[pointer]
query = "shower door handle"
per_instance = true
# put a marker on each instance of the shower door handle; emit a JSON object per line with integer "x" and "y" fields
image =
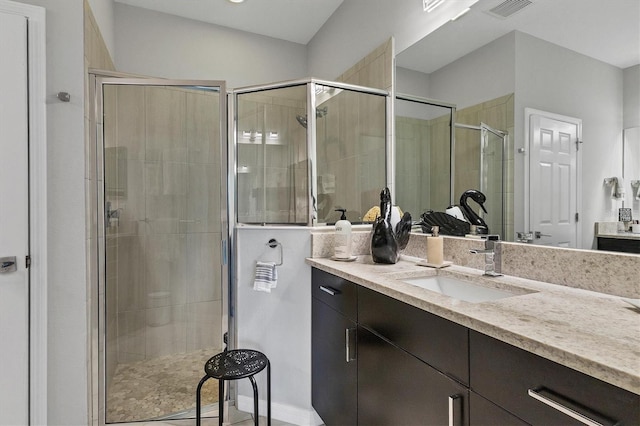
{"x": 8, "y": 264}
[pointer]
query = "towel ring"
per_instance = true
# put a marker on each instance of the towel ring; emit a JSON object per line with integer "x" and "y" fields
{"x": 273, "y": 243}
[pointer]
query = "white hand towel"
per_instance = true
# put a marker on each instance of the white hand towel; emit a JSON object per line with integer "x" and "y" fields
{"x": 266, "y": 276}
{"x": 618, "y": 190}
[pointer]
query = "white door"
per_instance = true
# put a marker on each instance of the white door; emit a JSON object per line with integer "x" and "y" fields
{"x": 553, "y": 179}
{"x": 14, "y": 232}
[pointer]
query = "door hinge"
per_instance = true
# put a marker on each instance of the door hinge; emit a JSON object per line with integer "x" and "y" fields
{"x": 578, "y": 142}
{"x": 27, "y": 262}
{"x": 577, "y": 216}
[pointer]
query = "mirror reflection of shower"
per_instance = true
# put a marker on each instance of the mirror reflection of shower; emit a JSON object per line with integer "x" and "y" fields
{"x": 320, "y": 112}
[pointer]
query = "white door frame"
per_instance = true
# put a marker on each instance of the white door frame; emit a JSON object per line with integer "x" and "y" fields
{"x": 37, "y": 206}
{"x": 528, "y": 112}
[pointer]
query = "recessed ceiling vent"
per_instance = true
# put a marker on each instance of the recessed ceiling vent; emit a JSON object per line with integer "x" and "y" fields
{"x": 508, "y": 8}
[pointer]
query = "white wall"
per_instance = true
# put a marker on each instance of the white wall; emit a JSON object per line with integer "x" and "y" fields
{"x": 103, "y": 12}
{"x": 631, "y": 97}
{"x": 67, "y": 329}
{"x": 558, "y": 80}
{"x": 161, "y": 45}
{"x": 277, "y": 323}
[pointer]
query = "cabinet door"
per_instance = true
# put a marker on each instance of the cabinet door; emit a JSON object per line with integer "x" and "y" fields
{"x": 542, "y": 392}
{"x": 437, "y": 341}
{"x": 485, "y": 413}
{"x": 334, "y": 368}
{"x": 395, "y": 388}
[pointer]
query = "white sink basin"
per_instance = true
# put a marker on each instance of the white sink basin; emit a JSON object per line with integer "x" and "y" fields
{"x": 458, "y": 289}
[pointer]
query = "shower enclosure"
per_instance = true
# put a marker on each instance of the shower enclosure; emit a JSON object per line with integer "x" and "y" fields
{"x": 437, "y": 160}
{"x": 307, "y": 147}
{"x": 161, "y": 307}
{"x": 423, "y": 154}
{"x": 479, "y": 164}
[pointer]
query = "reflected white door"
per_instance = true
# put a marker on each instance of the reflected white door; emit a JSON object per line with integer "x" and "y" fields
{"x": 14, "y": 232}
{"x": 553, "y": 179}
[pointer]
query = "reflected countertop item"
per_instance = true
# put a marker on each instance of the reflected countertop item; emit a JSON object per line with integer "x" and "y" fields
{"x": 594, "y": 333}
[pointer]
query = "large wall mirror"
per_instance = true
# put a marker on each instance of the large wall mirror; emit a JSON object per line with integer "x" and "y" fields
{"x": 527, "y": 69}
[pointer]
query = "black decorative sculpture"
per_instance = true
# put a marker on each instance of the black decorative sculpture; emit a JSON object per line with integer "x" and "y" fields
{"x": 472, "y": 217}
{"x": 385, "y": 243}
{"x": 449, "y": 225}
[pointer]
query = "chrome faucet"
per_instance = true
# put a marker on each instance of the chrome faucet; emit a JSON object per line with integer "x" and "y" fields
{"x": 489, "y": 256}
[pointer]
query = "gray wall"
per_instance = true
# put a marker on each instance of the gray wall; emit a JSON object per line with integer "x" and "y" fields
{"x": 486, "y": 73}
{"x": 558, "y": 80}
{"x": 67, "y": 387}
{"x": 551, "y": 78}
{"x": 156, "y": 44}
{"x": 366, "y": 24}
{"x": 631, "y": 97}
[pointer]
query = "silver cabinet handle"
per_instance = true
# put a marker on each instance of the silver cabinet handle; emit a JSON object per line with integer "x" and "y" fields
{"x": 329, "y": 290}
{"x": 454, "y": 405}
{"x": 350, "y": 354}
{"x": 559, "y": 403}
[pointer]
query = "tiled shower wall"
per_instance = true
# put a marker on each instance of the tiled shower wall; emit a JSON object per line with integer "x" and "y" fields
{"x": 422, "y": 164}
{"x": 272, "y": 176}
{"x": 497, "y": 113}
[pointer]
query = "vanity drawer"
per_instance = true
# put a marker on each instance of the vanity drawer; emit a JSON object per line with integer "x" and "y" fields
{"x": 439, "y": 342}
{"x": 513, "y": 379}
{"x": 340, "y": 294}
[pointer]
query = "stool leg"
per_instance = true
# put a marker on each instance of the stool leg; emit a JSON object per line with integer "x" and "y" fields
{"x": 220, "y": 401}
{"x": 198, "y": 403}
{"x": 268, "y": 393}
{"x": 255, "y": 400}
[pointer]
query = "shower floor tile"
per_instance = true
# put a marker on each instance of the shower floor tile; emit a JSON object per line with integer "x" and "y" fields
{"x": 159, "y": 387}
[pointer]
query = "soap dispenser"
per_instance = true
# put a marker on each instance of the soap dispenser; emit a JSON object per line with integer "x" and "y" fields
{"x": 435, "y": 249}
{"x": 342, "y": 244}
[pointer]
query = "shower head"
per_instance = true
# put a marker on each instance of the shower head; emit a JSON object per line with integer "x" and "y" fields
{"x": 320, "y": 112}
{"x": 302, "y": 119}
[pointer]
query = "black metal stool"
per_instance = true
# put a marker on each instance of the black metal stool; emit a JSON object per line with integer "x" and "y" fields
{"x": 233, "y": 365}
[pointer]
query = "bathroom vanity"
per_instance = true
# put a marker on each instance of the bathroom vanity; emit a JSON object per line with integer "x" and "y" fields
{"x": 388, "y": 352}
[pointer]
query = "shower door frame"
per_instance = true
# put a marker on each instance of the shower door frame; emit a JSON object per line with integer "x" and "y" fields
{"x": 97, "y": 318}
{"x": 483, "y": 129}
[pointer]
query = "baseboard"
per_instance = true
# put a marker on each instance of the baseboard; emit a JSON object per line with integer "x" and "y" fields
{"x": 283, "y": 412}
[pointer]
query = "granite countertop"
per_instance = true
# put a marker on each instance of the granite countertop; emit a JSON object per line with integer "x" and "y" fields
{"x": 620, "y": 234}
{"x": 595, "y": 333}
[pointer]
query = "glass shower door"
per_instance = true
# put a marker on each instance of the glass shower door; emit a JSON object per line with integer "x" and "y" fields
{"x": 162, "y": 295}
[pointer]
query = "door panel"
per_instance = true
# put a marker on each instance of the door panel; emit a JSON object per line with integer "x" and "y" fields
{"x": 164, "y": 150}
{"x": 14, "y": 232}
{"x": 553, "y": 189}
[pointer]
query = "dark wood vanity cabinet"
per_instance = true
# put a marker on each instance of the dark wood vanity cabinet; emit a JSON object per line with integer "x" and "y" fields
{"x": 540, "y": 391}
{"x": 379, "y": 361}
{"x": 383, "y": 374}
{"x": 334, "y": 371}
{"x": 396, "y": 388}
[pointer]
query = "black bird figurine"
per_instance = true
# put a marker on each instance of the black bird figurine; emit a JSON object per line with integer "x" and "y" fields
{"x": 472, "y": 217}
{"x": 385, "y": 243}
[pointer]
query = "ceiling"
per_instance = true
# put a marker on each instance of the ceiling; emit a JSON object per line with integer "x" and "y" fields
{"x": 606, "y": 30}
{"x": 292, "y": 20}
